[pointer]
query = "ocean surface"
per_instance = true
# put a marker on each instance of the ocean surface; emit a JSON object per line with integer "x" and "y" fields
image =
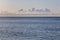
{"x": 29, "y": 28}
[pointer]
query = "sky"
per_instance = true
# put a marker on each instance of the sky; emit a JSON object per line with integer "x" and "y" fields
{"x": 15, "y": 5}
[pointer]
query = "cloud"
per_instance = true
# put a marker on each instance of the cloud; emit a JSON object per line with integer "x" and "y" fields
{"x": 41, "y": 10}
{"x": 47, "y": 10}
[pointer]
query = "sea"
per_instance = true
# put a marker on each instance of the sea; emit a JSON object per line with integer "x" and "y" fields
{"x": 29, "y": 28}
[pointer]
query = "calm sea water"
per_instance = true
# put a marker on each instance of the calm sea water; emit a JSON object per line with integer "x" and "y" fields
{"x": 29, "y": 28}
